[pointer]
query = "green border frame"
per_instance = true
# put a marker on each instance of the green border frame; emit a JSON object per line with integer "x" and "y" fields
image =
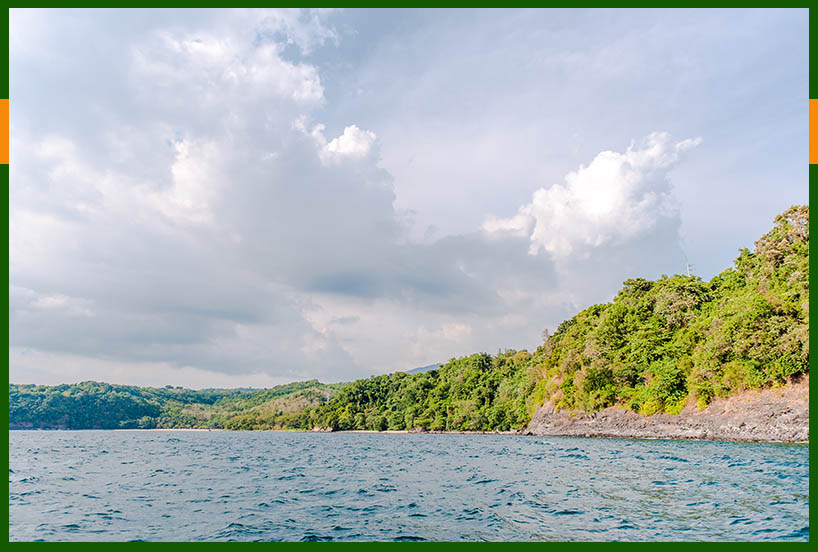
{"x": 4, "y": 175}
{"x": 813, "y": 192}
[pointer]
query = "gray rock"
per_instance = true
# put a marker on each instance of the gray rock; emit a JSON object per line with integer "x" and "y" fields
{"x": 770, "y": 415}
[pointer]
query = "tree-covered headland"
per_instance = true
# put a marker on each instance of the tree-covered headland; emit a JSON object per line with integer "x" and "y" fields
{"x": 657, "y": 346}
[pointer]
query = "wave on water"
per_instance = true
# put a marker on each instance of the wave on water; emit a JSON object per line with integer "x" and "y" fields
{"x": 226, "y": 486}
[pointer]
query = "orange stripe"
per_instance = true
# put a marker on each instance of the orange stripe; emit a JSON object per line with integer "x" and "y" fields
{"x": 813, "y": 132}
{"x": 4, "y": 128}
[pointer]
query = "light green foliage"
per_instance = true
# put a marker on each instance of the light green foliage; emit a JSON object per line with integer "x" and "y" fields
{"x": 659, "y": 342}
{"x": 656, "y": 345}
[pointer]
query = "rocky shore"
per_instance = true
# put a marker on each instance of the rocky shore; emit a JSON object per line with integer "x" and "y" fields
{"x": 779, "y": 415}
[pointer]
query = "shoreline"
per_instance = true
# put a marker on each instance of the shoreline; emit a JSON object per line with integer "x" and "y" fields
{"x": 586, "y": 433}
{"x": 364, "y": 431}
{"x": 776, "y": 415}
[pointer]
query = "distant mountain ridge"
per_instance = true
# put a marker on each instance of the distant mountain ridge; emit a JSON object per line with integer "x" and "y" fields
{"x": 423, "y": 369}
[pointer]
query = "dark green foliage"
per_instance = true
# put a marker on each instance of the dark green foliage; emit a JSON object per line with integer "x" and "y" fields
{"x": 473, "y": 393}
{"x": 652, "y": 349}
{"x": 93, "y": 405}
{"x": 97, "y": 405}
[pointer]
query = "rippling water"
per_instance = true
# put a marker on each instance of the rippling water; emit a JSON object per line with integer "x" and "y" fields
{"x": 183, "y": 485}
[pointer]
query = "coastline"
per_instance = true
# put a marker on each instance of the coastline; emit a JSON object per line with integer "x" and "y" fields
{"x": 777, "y": 415}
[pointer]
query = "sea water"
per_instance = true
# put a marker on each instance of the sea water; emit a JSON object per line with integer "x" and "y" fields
{"x": 245, "y": 486}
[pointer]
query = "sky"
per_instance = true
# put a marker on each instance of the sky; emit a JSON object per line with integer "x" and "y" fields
{"x": 252, "y": 197}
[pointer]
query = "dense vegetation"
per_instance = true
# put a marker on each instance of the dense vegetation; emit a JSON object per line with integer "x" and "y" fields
{"x": 478, "y": 392}
{"x": 655, "y": 347}
{"x": 101, "y": 405}
{"x": 659, "y": 343}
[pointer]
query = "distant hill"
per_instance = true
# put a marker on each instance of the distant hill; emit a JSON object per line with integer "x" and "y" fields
{"x": 422, "y": 369}
{"x": 97, "y": 405}
{"x": 656, "y": 347}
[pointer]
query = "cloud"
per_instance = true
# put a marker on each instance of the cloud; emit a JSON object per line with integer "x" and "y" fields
{"x": 307, "y": 29}
{"x": 194, "y": 183}
{"x": 194, "y": 248}
{"x": 450, "y": 332}
{"x": 354, "y": 143}
{"x": 127, "y": 245}
{"x": 33, "y": 366}
{"x": 209, "y": 69}
{"x": 230, "y": 78}
{"x": 344, "y": 320}
{"x": 618, "y": 196}
{"x": 190, "y": 225}
{"x": 27, "y": 299}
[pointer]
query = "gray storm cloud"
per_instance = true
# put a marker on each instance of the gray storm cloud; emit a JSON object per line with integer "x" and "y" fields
{"x": 212, "y": 257}
{"x": 201, "y": 206}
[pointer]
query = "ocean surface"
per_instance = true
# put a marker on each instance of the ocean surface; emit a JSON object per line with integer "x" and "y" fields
{"x": 246, "y": 486}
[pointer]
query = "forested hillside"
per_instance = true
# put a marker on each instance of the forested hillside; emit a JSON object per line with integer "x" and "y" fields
{"x": 473, "y": 393}
{"x": 656, "y": 346}
{"x": 660, "y": 342}
{"x": 100, "y": 405}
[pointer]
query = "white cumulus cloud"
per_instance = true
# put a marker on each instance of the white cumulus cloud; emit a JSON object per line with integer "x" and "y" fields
{"x": 354, "y": 143}
{"x": 618, "y": 196}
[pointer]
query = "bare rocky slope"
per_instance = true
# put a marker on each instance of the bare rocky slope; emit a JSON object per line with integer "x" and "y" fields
{"x": 772, "y": 415}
